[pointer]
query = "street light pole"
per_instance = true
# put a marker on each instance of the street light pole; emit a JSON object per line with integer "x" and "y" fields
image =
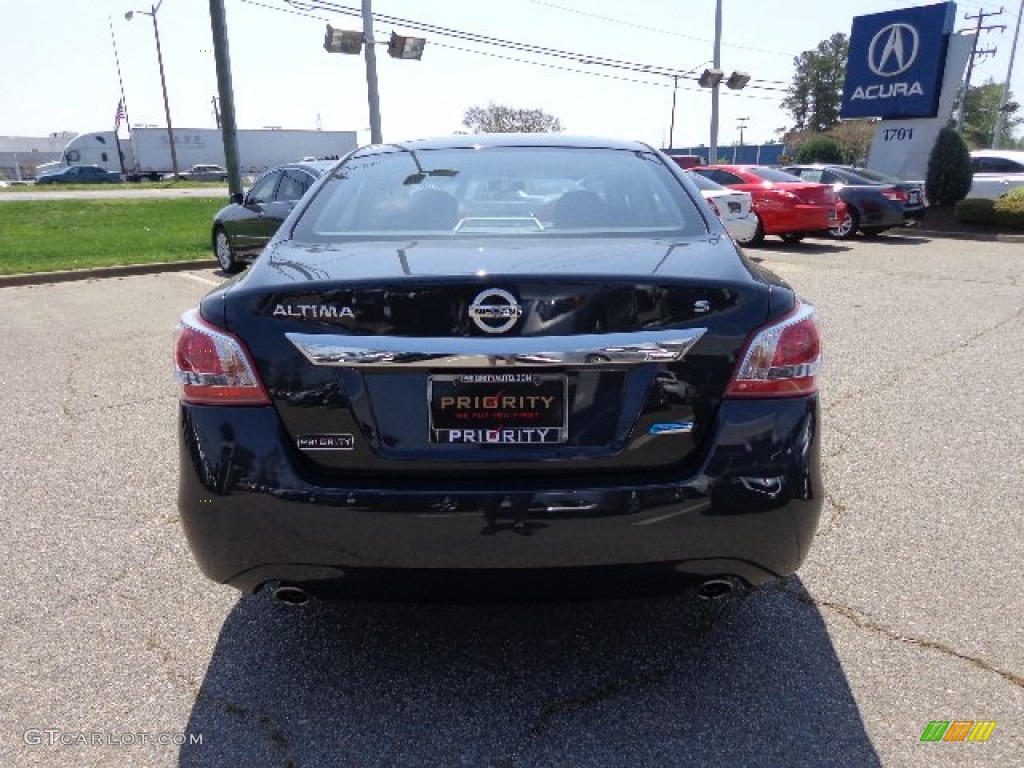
{"x": 717, "y": 59}
{"x": 163, "y": 82}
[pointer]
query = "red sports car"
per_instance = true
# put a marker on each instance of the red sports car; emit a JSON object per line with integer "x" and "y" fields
{"x": 785, "y": 205}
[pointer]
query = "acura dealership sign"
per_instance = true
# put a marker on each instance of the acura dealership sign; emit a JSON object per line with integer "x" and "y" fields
{"x": 896, "y": 62}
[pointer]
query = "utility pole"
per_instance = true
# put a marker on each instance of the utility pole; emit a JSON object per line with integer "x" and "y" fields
{"x": 672, "y": 122}
{"x": 981, "y": 27}
{"x": 1001, "y": 114}
{"x": 743, "y": 124}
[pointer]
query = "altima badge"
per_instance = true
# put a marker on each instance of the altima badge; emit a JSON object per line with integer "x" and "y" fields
{"x": 495, "y": 310}
{"x": 312, "y": 311}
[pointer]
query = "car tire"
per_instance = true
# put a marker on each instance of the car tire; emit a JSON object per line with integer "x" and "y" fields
{"x": 873, "y": 231}
{"x": 792, "y": 237}
{"x": 757, "y": 238}
{"x": 846, "y": 228}
{"x": 224, "y": 253}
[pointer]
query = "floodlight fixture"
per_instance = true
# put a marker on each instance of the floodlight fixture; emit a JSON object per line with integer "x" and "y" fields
{"x": 737, "y": 80}
{"x": 710, "y": 78}
{"x": 343, "y": 41}
{"x": 402, "y": 47}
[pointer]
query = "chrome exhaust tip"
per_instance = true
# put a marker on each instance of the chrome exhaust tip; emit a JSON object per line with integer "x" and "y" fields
{"x": 289, "y": 594}
{"x": 717, "y": 588}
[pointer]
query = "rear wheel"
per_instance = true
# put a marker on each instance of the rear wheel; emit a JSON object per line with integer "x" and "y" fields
{"x": 792, "y": 237}
{"x": 222, "y": 250}
{"x": 847, "y": 227}
{"x": 757, "y": 238}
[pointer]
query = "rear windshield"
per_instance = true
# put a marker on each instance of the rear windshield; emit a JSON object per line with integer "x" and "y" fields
{"x": 873, "y": 176}
{"x": 703, "y": 183}
{"x": 772, "y": 174}
{"x": 500, "y": 191}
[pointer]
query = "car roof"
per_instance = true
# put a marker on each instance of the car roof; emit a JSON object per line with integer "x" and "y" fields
{"x": 727, "y": 166}
{"x": 318, "y": 167}
{"x": 817, "y": 165}
{"x": 476, "y": 140}
{"x": 1007, "y": 154}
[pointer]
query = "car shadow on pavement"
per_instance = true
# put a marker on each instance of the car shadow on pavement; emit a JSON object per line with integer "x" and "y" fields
{"x": 810, "y": 247}
{"x": 611, "y": 683}
{"x": 899, "y": 238}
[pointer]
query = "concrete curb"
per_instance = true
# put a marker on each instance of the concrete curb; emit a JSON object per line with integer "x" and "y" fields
{"x": 127, "y": 270}
{"x": 996, "y": 237}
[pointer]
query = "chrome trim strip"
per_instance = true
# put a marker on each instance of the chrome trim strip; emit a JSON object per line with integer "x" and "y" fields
{"x": 597, "y": 350}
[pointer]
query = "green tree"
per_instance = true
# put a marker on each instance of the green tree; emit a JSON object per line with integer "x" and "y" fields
{"x": 949, "y": 169}
{"x": 980, "y": 112}
{"x": 816, "y": 93}
{"x": 496, "y": 118}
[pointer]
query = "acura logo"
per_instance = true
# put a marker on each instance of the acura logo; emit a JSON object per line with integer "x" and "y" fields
{"x": 495, "y": 310}
{"x": 893, "y": 50}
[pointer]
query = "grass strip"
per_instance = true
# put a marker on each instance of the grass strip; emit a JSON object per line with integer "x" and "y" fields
{"x": 48, "y": 235}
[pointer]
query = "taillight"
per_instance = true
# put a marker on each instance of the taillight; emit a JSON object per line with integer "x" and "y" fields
{"x": 894, "y": 193}
{"x": 781, "y": 360}
{"x": 213, "y": 366}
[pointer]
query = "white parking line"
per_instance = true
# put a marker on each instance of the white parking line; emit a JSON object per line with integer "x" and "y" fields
{"x": 197, "y": 278}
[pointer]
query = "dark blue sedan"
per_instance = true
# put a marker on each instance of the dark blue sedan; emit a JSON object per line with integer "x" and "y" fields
{"x": 874, "y": 201}
{"x": 79, "y": 174}
{"x": 499, "y": 358}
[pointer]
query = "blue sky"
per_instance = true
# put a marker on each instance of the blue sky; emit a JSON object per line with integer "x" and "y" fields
{"x": 59, "y": 67}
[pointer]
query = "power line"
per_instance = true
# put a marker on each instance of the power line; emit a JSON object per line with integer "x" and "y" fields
{"x": 589, "y": 73}
{"x": 656, "y": 30}
{"x": 518, "y": 60}
{"x": 473, "y": 37}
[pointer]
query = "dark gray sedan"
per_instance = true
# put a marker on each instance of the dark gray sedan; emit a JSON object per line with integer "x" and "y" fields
{"x": 480, "y": 362}
{"x": 874, "y": 201}
{"x": 241, "y": 230}
{"x": 79, "y": 174}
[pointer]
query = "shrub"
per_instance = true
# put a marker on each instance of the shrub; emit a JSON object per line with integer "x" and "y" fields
{"x": 949, "y": 169}
{"x": 975, "y": 210}
{"x": 822, "y": 149}
{"x": 1008, "y": 211}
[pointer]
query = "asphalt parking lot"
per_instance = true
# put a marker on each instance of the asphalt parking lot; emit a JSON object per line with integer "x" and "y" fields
{"x": 907, "y": 611}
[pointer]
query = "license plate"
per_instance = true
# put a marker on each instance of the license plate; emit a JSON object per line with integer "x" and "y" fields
{"x": 914, "y": 198}
{"x": 498, "y": 409}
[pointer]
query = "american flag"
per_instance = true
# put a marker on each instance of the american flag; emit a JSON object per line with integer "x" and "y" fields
{"x": 119, "y": 115}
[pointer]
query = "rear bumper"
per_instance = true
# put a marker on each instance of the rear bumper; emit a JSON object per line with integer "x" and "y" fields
{"x": 915, "y": 214}
{"x": 798, "y": 218}
{"x": 253, "y": 513}
{"x": 741, "y": 228}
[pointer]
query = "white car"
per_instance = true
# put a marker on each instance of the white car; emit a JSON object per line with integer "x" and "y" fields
{"x": 996, "y": 172}
{"x": 733, "y": 207}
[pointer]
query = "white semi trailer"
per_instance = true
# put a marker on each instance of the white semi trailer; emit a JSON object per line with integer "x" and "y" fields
{"x": 147, "y": 153}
